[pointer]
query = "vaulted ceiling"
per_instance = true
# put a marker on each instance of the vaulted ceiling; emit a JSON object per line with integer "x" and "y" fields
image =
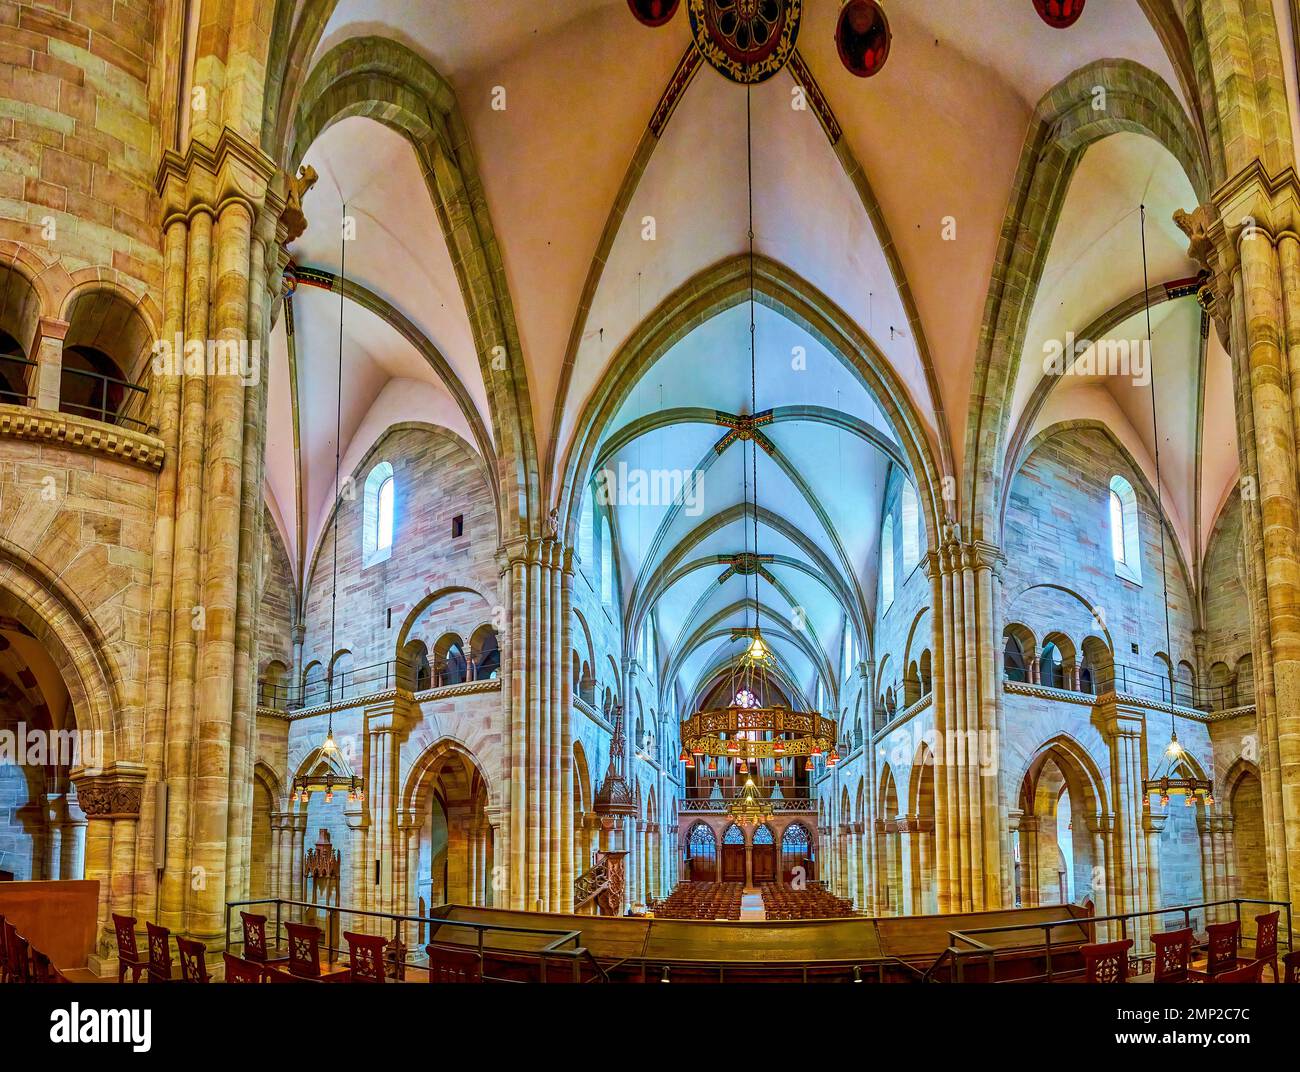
{"x": 896, "y": 226}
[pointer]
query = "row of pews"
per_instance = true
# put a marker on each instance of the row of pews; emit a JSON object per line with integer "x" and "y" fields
{"x": 702, "y": 900}
{"x": 812, "y": 902}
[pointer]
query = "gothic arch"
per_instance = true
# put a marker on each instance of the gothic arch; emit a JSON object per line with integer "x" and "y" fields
{"x": 1065, "y": 125}
{"x": 383, "y": 80}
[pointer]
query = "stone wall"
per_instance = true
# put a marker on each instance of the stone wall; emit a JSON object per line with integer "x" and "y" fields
{"x": 80, "y": 136}
{"x": 1060, "y": 576}
{"x": 436, "y": 478}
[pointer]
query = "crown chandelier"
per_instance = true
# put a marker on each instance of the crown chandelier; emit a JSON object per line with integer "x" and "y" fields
{"x": 749, "y": 809}
{"x": 748, "y": 41}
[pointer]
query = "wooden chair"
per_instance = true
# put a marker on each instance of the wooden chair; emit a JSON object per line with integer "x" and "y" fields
{"x": 128, "y": 954}
{"x": 1266, "y": 941}
{"x": 366, "y": 953}
{"x": 4, "y": 951}
{"x": 194, "y": 961}
{"x": 239, "y": 970}
{"x": 20, "y": 964}
{"x": 453, "y": 964}
{"x": 160, "y": 953}
{"x": 1106, "y": 962}
{"x": 304, "y": 950}
{"x": 1291, "y": 962}
{"x": 1173, "y": 955}
{"x": 43, "y": 969}
{"x": 1247, "y": 973}
{"x": 1221, "y": 949}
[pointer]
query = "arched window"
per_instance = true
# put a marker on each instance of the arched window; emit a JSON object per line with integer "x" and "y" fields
{"x": 1051, "y": 667}
{"x": 1013, "y": 660}
{"x": 796, "y": 849}
{"x": 887, "y": 563}
{"x": 702, "y": 851}
{"x": 1125, "y": 543}
{"x": 486, "y": 653}
{"x": 378, "y": 509}
{"x": 911, "y": 523}
{"x": 587, "y": 535}
{"x": 606, "y": 563}
{"x": 763, "y": 835}
{"x": 733, "y": 835}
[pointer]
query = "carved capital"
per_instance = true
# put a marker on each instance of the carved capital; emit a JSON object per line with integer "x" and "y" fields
{"x": 114, "y": 794}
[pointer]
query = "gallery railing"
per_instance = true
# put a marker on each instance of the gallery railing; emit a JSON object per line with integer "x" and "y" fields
{"x": 354, "y": 683}
{"x": 720, "y": 804}
{"x": 964, "y": 945}
{"x": 19, "y": 367}
{"x": 558, "y": 954}
{"x": 111, "y": 399}
{"x": 1149, "y": 685}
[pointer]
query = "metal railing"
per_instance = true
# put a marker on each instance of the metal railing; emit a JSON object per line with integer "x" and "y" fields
{"x": 720, "y": 804}
{"x": 17, "y": 398}
{"x": 354, "y": 683}
{"x": 133, "y": 397}
{"x": 563, "y": 947}
{"x": 1149, "y": 685}
{"x": 983, "y": 950}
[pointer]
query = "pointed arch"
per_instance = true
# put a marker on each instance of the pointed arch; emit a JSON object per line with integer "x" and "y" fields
{"x": 386, "y": 81}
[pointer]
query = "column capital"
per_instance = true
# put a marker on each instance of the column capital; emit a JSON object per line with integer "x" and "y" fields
{"x": 114, "y": 793}
{"x": 212, "y": 177}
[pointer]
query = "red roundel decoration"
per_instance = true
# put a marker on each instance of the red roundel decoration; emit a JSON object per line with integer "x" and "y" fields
{"x": 1059, "y": 14}
{"x": 653, "y": 12}
{"x": 862, "y": 37}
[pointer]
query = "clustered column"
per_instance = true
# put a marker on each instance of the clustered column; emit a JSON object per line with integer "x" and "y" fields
{"x": 540, "y": 836}
{"x": 971, "y": 860}
{"x": 220, "y": 268}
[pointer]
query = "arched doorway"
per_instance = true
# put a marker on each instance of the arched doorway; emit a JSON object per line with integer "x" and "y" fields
{"x": 1057, "y": 850}
{"x": 1249, "y": 852}
{"x": 797, "y": 854}
{"x": 733, "y": 854}
{"x": 42, "y": 829}
{"x": 701, "y": 853}
{"x": 763, "y": 859}
{"x": 889, "y": 848}
{"x": 452, "y": 841}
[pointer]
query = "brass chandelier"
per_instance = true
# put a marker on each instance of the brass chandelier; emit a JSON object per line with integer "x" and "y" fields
{"x": 749, "y": 809}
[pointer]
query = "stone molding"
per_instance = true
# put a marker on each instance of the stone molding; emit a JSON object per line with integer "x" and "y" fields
{"x": 82, "y": 434}
{"x": 389, "y": 696}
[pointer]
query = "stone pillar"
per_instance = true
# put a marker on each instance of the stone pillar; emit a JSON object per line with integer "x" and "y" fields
{"x": 72, "y": 859}
{"x": 1124, "y": 730}
{"x": 111, "y": 803}
{"x": 1102, "y": 829}
{"x": 44, "y": 379}
{"x": 220, "y": 271}
{"x": 1030, "y": 888}
{"x": 970, "y": 796}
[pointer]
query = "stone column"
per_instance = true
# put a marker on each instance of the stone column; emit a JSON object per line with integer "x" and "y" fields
{"x": 44, "y": 379}
{"x": 111, "y": 803}
{"x": 1124, "y": 730}
{"x": 970, "y": 797}
{"x": 73, "y": 855}
{"x": 1102, "y": 829}
{"x": 219, "y": 276}
{"x": 1030, "y": 888}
